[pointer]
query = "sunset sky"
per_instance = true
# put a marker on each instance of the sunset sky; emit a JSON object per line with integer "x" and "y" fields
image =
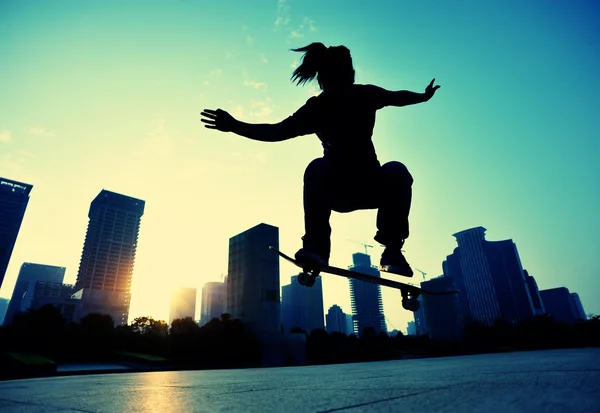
{"x": 107, "y": 94}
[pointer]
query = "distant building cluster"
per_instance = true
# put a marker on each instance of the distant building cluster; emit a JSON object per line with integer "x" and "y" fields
{"x": 489, "y": 275}
{"x": 339, "y": 322}
{"x": 106, "y": 268}
{"x": 493, "y": 286}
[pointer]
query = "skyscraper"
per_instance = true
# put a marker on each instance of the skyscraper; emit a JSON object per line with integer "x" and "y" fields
{"x": 214, "y": 300}
{"x": 14, "y": 197}
{"x": 30, "y": 272}
{"x": 490, "y": 278}
{"x": 337, "y": 320}
{"x": 253, "y": 280}
{"x": 365, "y": 298}
{"x": 512, "y": 290}
{"x": 476, "y": 277}
{"x": 302, "y": 307}
{"x": 183, "y": 304}
{"x": 106, "y": 268}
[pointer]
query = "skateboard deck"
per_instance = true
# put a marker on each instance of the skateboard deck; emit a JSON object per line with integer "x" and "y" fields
{"x": 410, "y": 293}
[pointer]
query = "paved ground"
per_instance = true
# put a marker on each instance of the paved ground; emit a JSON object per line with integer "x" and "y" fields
{"x": 541, "y": 381}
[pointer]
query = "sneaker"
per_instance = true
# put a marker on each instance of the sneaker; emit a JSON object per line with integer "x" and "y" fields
{"x": 311, "y": 259}
{"x": 393, "y": 261}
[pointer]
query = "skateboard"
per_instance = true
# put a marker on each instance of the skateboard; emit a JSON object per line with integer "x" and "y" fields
{"x": 410, "y": 293}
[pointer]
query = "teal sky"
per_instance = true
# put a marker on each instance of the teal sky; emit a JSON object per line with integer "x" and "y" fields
{"x": 106, "y": 95}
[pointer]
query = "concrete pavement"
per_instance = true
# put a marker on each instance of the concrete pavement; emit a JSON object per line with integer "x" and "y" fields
{"x": 537, "y": 381}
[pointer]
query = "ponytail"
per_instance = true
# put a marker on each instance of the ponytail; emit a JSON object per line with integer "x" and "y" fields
{"x": 332, "y": 67}
{"x": 312, "y": 61}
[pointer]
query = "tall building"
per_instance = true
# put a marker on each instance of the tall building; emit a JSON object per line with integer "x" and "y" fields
{"x": 41, "y": 293}
{"x": 14, "y": 197}
{"x": 183, "y": 304}
{"x": 476, "y": 277}
{"x": 337, "y": 320}
{"x": 214, "y": 300}
{"x": 28, "y": 273}
{"x": 578, "y": 307}
{"x": 510, "y": 283}
{"x": 253, "y": 280}
{"x": 365, "y": 298}
{"x": 106, "y": 268}
{"x": 490, "y": 278}
{"x": 559, "y": 304}
{"x": 3, "y": 308}
{"x": 442, "y": 312}
{"x": 302, "y": 307}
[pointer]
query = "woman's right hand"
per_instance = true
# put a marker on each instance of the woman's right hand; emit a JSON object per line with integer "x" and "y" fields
{"x": 218, "y": 119}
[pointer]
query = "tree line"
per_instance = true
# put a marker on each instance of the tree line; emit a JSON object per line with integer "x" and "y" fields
{"x": 220, "y": 343}
{"x": 538, "y": 333}
{"x": 227, "y": 343}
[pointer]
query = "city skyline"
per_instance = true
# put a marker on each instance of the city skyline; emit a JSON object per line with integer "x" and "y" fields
{"x": 361, "y": 257}
{"x": 454, "y": 318}
{"x": 109, "y": 97}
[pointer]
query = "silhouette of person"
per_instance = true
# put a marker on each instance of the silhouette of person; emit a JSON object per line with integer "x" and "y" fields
{"x": 349, "y": 176}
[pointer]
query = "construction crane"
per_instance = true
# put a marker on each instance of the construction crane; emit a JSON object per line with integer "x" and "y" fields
{"x": 361, "y": 243}
{"x": 422, "y": 272}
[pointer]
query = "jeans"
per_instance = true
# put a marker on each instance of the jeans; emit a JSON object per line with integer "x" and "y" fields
{"x": 328, "y": 187}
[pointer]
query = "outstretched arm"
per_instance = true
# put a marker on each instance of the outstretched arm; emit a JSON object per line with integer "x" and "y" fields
{"x": 405, "y": 97}
{"x": 264, "y": 132}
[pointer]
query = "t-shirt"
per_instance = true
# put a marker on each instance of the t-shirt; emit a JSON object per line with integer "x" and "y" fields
{"x": 344, "y": 121}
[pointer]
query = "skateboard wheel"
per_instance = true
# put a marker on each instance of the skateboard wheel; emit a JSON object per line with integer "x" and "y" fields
{"x": 303, "y": 278}
{"x": 306, "y": 279}
{"x": 411, "y": 304}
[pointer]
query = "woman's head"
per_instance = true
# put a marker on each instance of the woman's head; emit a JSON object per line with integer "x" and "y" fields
{"x": 332, "y": 66}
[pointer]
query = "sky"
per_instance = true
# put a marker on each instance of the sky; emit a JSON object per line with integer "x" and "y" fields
{"x": 107, "y": 94}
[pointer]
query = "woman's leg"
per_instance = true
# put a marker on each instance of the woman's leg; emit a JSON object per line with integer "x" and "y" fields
{"x": 319, "y": 186}
{"x": 395, "y": 189}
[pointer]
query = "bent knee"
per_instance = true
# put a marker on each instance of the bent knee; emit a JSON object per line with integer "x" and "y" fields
{"x": 317, "y": 169}
{"x": 398, "y": 172}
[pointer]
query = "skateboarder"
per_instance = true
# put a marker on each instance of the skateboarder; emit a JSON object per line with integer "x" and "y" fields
{"x": 349, "y": 176}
